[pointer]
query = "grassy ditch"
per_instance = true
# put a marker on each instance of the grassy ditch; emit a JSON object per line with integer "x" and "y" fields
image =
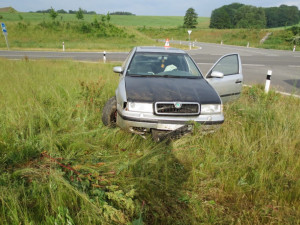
{"x": 59, "y": 164}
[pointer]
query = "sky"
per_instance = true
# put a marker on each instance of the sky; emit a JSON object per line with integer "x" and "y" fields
{"x": 139, "y": 7}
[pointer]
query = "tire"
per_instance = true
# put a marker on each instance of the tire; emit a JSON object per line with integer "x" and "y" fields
{"x": 109, "y": 113}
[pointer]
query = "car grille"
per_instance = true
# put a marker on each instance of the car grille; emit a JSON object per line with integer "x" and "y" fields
{"x": 177, "y": 108}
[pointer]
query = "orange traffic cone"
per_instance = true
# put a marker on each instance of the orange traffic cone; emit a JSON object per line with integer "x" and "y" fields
{"x": 167, "y": 44}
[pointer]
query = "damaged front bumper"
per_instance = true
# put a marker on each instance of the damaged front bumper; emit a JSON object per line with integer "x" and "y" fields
{"x": 145, "y": 122}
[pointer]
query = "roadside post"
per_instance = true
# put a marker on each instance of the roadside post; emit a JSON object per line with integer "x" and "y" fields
{"x": 248, "y": 45}
{"x": 190, "y": 44}
{"x": 104, "y": 56}
{"x": 268, "y": 81}
{"x": 189, "y": 32}
{"x": 222, "y": 42}
{"x": 294, "y": 49}
{"x": 5, "y": 34}
{"x": 63, "y": 46}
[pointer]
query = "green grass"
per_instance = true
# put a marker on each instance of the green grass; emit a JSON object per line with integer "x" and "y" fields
{"x": 124, "y": 32}
{"x": 120, "y": 20}
{"x": 75, "y": 35}
{"x": 59, "y": 164}
{"x": 240, "y": 37}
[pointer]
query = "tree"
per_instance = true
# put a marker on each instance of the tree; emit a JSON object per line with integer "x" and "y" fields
{"x": 220, "y": 19}
{"x": 79, "y": 14}
{"x": 103, "y": 19}
{"x": 250, "y": 17}
{"x": 223, "y": 17}
{"x": 190, "y": 18}
{"x": 108, "y": 17}
{"x": 53, "y": 14}
{"x": 61, "y": 11}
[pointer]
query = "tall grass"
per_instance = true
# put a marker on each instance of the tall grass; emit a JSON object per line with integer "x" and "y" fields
{"x": 59, "y": 164}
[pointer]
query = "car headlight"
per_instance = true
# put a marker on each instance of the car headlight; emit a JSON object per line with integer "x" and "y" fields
{"x": 140, "y": 107}
{"x": 211, "y": 109}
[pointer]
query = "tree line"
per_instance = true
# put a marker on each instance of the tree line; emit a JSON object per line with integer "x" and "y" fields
{"x": 238, "y": 15}
{"x": 62, "y": 11}
{"x": 122, "y": 13}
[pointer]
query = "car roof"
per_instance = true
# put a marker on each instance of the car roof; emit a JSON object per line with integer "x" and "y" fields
{"x": 158, "y": 49}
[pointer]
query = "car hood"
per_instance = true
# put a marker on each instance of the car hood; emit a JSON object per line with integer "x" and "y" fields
{"x": 169, "y": 89}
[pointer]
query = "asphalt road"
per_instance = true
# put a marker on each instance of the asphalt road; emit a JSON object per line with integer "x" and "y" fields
{"x": 285, "y": 65}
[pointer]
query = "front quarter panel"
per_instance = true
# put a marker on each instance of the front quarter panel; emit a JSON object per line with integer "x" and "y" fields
{"x": 121, "y": 93}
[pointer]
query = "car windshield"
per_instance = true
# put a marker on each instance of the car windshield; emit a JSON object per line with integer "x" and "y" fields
{"x": 163, "y": 64}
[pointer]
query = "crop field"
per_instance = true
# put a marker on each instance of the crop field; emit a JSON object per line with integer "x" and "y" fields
{"x": 60, "y": 165}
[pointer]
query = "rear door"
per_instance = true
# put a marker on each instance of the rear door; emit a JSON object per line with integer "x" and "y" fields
{"x": 229, "y": 86}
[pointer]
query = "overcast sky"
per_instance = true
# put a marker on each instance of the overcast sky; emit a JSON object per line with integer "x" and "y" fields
{"x": 138, "y": 7}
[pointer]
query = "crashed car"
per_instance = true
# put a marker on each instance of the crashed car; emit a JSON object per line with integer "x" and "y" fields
{"x": 162, "y": 91}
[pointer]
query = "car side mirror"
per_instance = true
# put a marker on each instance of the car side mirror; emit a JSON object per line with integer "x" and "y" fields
{"x": 217, "y": 74}
{"x": 118, "y": 69}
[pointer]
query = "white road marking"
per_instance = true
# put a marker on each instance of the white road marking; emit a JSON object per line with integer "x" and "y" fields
{"x": 253, "y": 65}
{"x": 294, "y": 66}
{"x": 205, "y": 63}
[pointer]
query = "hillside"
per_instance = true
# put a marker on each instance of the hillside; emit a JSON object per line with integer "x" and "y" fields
{"x": 8, "y": 9}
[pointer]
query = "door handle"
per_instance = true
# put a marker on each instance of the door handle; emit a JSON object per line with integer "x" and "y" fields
{"x": 238, "y": 81}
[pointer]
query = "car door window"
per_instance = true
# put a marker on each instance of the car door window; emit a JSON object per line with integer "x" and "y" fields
{"x": 228, "y": 65}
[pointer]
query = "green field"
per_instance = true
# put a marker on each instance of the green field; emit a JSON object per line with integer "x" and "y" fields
{"x": 39, "y": 31}
{"x": 60, "y": 165}
{"x": 152, "y": 21}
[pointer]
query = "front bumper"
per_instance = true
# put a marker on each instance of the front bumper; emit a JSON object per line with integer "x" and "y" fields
{"x": 143, "y": 122}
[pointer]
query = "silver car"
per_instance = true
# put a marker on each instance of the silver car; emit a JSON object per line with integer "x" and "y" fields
{"x": 162, "y": 91}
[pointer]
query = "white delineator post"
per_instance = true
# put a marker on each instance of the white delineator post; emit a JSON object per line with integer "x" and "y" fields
{"x": 189, "y": 32}
{"x": 268, "y": 81}
{"x": 248, "y": 45}
{"x": 104, "y": 56}
{"x": 294, "y": 49}
{"x": 63, "y": 46}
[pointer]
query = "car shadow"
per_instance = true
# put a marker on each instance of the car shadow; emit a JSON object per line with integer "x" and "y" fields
{"x": 159, "y": 182}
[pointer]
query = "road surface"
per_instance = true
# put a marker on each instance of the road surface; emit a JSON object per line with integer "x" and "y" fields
{"x": 256, "y": 62}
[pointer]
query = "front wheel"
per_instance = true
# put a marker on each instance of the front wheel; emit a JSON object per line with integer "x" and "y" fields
{"x": 109, "y": 113}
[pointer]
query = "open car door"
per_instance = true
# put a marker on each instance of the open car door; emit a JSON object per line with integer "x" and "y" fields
{"x": 226, "y": 77}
